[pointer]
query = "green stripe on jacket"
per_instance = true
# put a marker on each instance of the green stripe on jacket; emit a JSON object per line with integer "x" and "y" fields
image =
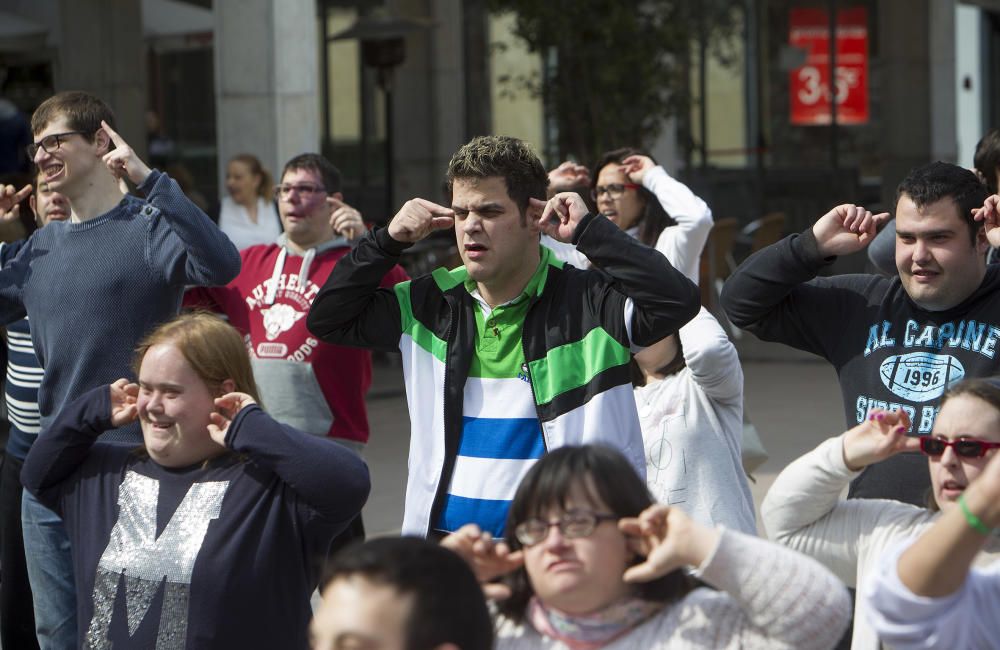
{"x": 574, "y": 364}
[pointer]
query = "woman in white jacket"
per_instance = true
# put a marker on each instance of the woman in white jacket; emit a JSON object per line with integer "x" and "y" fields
{"x": 803, "y": 509}
{"x": 689, "y": 386}
{"x": 646, "y": 202}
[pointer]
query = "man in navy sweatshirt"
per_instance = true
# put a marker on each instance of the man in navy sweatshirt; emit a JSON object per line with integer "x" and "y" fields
{"x": 896, "y": 343}
{"x": 92, "y": 287}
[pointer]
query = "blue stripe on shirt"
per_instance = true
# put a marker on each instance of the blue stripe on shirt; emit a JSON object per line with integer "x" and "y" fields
{"x": 515, "y": 439}
{"x": 490, "y": 515}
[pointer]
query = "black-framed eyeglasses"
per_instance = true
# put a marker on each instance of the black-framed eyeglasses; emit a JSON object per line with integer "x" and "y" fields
{"x": 50, "y": 142}
{"x": 614, "y": 190}
{"x": 574, "y": 523}
{"x": 302, "y": 189}
{"x": 964, "y": 447}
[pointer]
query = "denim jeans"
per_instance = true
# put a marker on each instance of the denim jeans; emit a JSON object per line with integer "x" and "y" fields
{"x": 50, "y": 570}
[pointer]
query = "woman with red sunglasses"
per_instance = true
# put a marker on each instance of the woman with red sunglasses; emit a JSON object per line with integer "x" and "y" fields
{"x": 803, "y": 509}
{"x": 926, "y": 594}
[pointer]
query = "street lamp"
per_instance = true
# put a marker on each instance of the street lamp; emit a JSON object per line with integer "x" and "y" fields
{"x": 383, "y": 48}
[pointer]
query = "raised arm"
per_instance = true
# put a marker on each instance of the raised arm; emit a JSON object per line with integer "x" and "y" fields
{"x": 712, "y": 358}
{"x": 661, "y": 298}
{"x": 803, "y": 509}
{"x": 185, "y": 247}
{"x": 59, "y": 454}
{"x": 938, "y": 562}
{"x": 329, "y": 478}
{"x": 965, "y": 618}
{"x": 682, "y": 244}
{"x": 787, "y": 600}
{"x": 351, "y": 309}
{"x": 775, "y": 293}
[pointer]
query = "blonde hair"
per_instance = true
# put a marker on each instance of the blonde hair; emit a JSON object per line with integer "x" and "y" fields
{"x": 213, "y": 347}
{"x": 265, "y": 188}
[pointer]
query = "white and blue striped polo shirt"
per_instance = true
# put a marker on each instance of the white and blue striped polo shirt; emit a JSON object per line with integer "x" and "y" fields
{"x": 501, "y": 435}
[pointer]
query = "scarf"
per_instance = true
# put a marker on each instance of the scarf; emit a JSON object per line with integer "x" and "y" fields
{"x": 591, "y": 631}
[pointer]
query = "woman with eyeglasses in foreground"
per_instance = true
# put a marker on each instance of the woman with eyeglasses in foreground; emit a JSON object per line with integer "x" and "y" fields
{"x": 208, "y": 535}
{"x": 925, "y": 593}
{"x": 803, "y": 509}
{"x": 591, "y": 562}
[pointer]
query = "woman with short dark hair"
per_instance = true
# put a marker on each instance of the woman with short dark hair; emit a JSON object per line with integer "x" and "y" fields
{"x": 592, "y": 562}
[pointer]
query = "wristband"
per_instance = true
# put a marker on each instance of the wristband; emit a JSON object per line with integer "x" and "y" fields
{"x": 975, "y": 522}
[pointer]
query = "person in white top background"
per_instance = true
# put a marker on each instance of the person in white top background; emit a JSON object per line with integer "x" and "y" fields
{"x": 689, "y": 386}
{"x": 248, "y": 215}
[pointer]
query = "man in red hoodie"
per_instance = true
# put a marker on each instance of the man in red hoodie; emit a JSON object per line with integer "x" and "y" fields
{"x": 311, "y": 385}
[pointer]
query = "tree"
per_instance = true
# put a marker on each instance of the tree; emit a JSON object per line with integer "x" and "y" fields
{"x": 615, "y": 70}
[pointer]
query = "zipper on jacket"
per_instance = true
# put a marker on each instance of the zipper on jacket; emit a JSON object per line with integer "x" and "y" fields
{"x": 531, "y": 379}
{"x": 444, "y": 419}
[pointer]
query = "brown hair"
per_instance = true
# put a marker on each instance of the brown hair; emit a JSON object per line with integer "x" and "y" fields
{"x": 654, "y": 218}
{"x": 940, "y": 180}
{"x": 513, "y": 160}
{"x": 213, "y": 347}
{"x": 265, "y": 189}
{"x": 316, "y": 164}
{"x": 986, "y": 389}
{"x": 83, "y": 112}
{"x": 613, "y": 481}
{"x": 987, "y": 159}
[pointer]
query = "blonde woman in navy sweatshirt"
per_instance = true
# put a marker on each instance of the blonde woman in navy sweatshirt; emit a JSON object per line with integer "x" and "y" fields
{"x": 205, "y": 537}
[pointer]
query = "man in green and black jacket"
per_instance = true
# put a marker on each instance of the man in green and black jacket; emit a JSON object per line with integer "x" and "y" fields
{"x": 514, "y": 353}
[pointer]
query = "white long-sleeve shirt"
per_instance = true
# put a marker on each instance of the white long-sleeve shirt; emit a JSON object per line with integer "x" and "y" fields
{"x": 692, "y": 423}
{"x": 803, "y": 510}
{"x": 965, "y": 619}
{"x": 767, "y": 597}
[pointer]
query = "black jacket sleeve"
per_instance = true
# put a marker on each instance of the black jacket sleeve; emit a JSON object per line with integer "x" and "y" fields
{"x": 330, "y": 478}
{"x": 776, "y": 295}
{"x": 56, "y": 456}
{"x": 663, "y": 297}
{"x": 351, "y": 308}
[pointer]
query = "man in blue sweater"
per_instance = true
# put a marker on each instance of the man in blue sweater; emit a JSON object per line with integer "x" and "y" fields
{"x": 92, "y": 287}
{"x": 17, "y": 619}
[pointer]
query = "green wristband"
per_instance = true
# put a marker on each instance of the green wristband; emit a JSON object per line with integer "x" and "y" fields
{"x": 974, "y": 521}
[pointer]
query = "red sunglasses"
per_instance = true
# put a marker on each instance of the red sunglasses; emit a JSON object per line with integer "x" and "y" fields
{"x": 964, "y": 447}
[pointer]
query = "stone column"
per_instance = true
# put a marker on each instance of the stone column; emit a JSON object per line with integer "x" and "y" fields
{"x": 102, "y": 51}
{"x": 906, "y": 102}
{"x": 266, "y": 80}
{"x": 429, "y": 99}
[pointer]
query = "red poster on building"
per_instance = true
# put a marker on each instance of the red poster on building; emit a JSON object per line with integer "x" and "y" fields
{"x": 809, "y": 84}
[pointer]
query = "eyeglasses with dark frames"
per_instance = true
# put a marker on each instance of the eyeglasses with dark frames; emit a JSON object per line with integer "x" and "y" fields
{"x": 302, "y": 189}
{"x": 614, "y": 190}
{"x": 572, "y": 524}
{"x": 50, "y": 143}
{"x": 964, "y": 447}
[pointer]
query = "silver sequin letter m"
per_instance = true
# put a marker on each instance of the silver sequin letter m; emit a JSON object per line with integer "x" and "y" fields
{"x": 147, "y": 561}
